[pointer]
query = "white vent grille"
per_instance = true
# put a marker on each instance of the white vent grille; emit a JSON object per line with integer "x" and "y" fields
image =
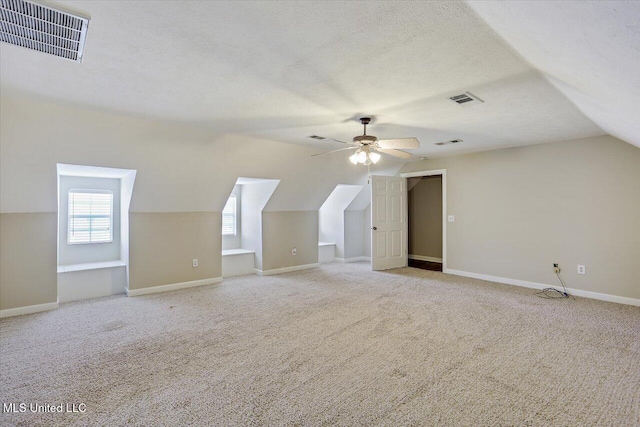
{"x": 43, "y": 29}
{"x": 466, "y": 99}
{"x": 453, "y": 141}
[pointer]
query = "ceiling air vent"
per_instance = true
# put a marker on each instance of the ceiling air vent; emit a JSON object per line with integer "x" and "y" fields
{"x": 465, "y": 99}
{"x": 317, "y": 137}
{"x": 42, "y": 28}
{"x": 453, "y": 141}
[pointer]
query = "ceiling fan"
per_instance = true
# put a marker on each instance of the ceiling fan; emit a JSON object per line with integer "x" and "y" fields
{"x": 368, "y": 147}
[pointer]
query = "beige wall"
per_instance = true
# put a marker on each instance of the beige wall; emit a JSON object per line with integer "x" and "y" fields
{"x": 282, "y": 231}
{"x": 425, "y": 217}
{"x": 28, "y": 261}
{"x": 163, "y": 245}
{"x": 180, "y": 168}
{"x": 519, "y": 210}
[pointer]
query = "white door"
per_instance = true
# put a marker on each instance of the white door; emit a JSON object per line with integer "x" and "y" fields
{"x": 388, "y": 222}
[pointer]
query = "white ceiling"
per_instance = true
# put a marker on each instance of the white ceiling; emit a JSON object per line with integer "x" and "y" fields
{"x": 590, "y": 51}
{"x": 287, "y": 70}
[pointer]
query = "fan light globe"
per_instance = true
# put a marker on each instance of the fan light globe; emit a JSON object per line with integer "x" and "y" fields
{"x": 367, "y": 145}
{"x": 365, "y": 157}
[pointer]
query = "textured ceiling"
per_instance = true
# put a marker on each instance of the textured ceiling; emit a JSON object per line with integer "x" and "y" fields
{"x": 590, "y": 51}
{"x": 287, "y": 70}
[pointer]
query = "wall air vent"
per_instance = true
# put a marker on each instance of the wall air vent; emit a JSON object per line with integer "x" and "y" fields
{"x": 317, "y": 137}
{"x": 42, "y": 28}
{"x": 453, "y": 141}
{"x": 465, "y": 99}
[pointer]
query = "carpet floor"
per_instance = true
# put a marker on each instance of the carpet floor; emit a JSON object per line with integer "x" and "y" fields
{"x": 338, "y": 345}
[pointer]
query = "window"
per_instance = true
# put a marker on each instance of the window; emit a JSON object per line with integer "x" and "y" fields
{"x": 90, "y": 216}
{"x": 229, "y": 216}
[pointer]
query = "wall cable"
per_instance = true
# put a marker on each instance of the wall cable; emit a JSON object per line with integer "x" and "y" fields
{"x": 553, "y": 293}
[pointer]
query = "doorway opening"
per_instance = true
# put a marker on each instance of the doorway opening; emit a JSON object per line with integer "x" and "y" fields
{"x": 426, "y": 221}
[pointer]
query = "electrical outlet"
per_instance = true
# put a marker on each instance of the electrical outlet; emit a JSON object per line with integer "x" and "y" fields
{"x": 582, "y": 269}
{"x": 451, "y": 218}
{"x": 294, "y": 251}
{"x": 556, "y": 267}
{"x": 194, "y": 263}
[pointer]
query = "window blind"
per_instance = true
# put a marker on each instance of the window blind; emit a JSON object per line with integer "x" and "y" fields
{"x": 229, "y": 216}
{"x": 90, "y": 216}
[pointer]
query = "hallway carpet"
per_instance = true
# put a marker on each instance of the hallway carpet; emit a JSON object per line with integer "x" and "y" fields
{"x": 338, "y": 345}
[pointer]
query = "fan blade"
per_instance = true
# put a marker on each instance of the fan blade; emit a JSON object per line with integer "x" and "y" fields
{"x": 395, "y": 153}
{"x": 333, "y": 151}
{"x": 399, "y": 143}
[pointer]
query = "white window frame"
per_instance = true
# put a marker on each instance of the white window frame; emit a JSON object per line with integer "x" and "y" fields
{"x": 70, "y": 216}
{"x": 235, "y": 215}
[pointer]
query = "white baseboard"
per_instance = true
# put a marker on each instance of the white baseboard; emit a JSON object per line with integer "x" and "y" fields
{"x": 425, "y": 258}
{"x": 172, "y": 287}
{"x": 354, "y": 259}
{"x": 19, "y": 311}
{"x": 286, "y": 269}
{"x": 534, "y": 285}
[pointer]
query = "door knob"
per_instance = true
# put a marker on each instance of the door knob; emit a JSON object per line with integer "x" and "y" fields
{"x": 374, "y": 228}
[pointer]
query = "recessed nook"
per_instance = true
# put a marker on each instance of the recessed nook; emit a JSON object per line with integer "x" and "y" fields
{"x": 93, "y": 267}
{"x": 242, "y": 249}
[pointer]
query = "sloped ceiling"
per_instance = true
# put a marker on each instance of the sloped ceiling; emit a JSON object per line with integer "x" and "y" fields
{"x": 341, "y": 197}
{"x": 589, "y": 50}
{"x": 287, "y": 70}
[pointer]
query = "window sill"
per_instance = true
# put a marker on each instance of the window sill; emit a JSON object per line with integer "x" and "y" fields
{"x": 90, "y": 266}
{"x": 229, "y": 252}
{"x": 88, "y": 243}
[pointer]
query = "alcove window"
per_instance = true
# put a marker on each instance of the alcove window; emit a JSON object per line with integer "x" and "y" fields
{"x": 230, "y": 216}
{"x": 90, "y": 216}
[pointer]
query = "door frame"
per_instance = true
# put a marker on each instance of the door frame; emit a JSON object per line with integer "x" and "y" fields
{"x": 433, "y": 172}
